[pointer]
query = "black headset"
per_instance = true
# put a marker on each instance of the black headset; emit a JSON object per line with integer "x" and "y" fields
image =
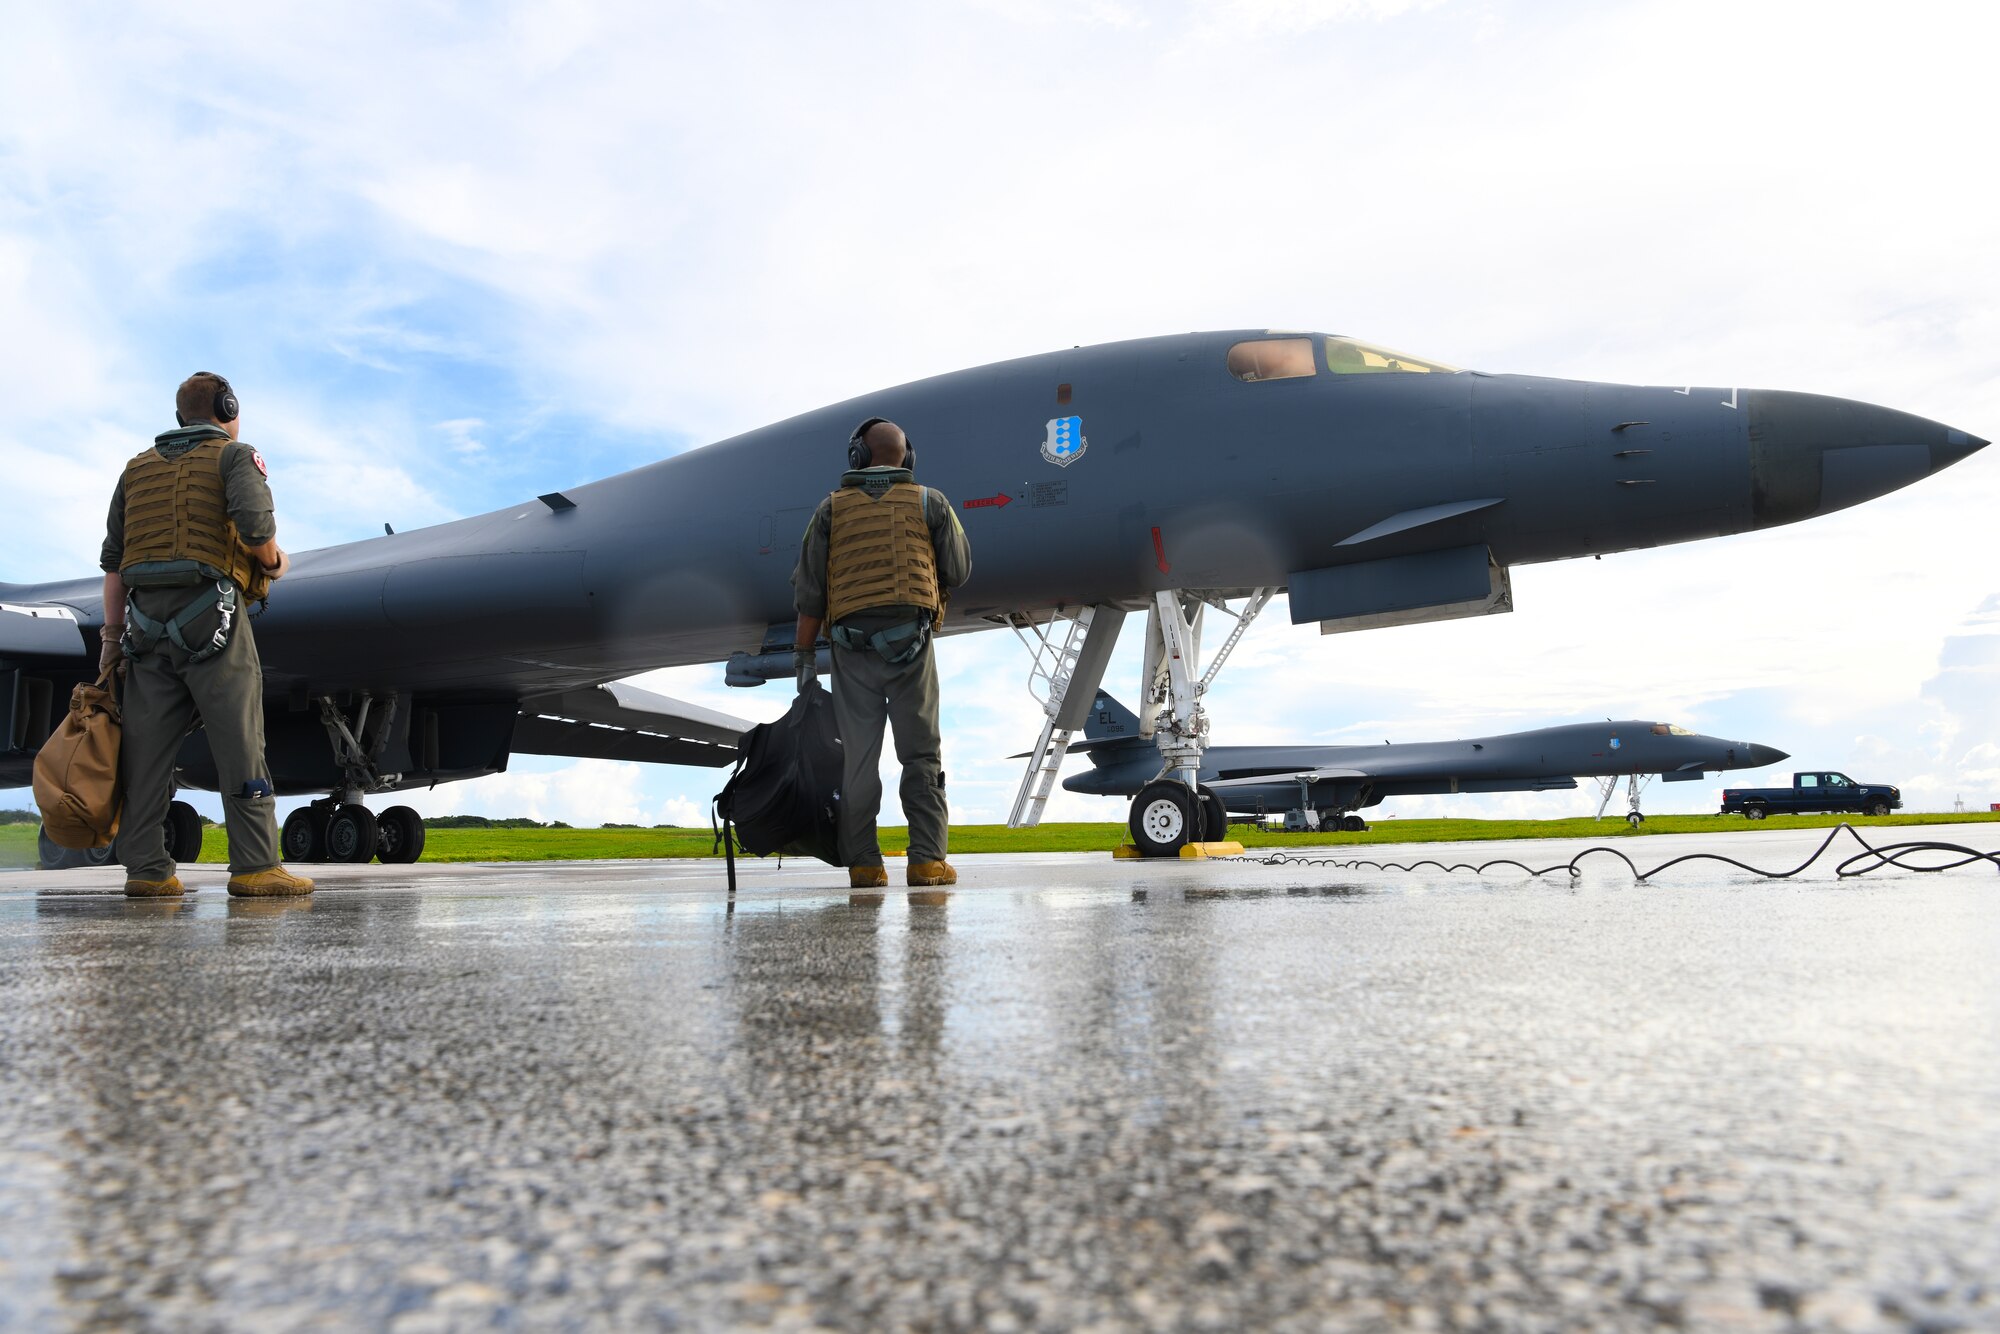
{"x": 227, "y": 409}
{"x": 860, "y": 456}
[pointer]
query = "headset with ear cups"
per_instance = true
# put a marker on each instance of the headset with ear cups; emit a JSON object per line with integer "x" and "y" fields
{"x": 227, "y": 409}
{"x": 860, "y": 456}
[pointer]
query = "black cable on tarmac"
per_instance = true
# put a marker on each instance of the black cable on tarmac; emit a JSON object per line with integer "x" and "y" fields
{"x": 1872, "y": 858}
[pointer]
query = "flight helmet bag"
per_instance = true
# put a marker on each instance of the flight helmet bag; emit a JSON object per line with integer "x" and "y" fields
{"x": 785, "y": 794}
{"x": 76, "y": 770}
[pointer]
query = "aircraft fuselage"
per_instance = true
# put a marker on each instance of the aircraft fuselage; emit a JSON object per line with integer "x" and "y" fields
{"x": 1188, "y": 477}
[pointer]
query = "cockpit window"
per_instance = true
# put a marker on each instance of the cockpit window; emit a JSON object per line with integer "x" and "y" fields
{"x": 1272, "y": 359}
{"x": 1346, "y": 356}
{"x": 1670, "y": 729}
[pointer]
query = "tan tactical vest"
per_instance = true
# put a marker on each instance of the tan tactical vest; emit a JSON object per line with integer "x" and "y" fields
{"x": 879, "y": 553}
{"x": 177, "y": 526}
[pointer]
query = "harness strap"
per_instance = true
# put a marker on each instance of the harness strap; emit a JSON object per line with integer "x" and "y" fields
{"x": 884, "y": 641}
{"x": 175, "y": 626}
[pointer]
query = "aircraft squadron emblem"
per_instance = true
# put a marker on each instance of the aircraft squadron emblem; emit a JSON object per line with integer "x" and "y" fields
{"x": 1064, "y": 443}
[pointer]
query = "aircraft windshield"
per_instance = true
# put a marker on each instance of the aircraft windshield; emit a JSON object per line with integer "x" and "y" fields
{"x": 1347, "y": 356}
{"x": 1670, "y": 729}
{"x": 1272, "y": 359}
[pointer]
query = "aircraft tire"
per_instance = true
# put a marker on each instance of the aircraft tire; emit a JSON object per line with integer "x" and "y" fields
{"x": 350, "y": 834}
{"x": 303, "y": 838}
{"x": 51, "y": 856}
{"x": 183, "y": 832}
{"x": 1353, "y": 824}
{"x": 1214, "y": 815}
{"x": 1635, "y": 819}
{"x": 1754, "y": 812}
{"x": 1164, "y": 818}
{"x": 399, "y": 836}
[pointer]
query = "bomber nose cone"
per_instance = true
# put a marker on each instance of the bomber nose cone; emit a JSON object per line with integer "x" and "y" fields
{"x": 1810, "y": 454}
{"x": 1760, "y": 756}
{"x": 1957, "y": 445}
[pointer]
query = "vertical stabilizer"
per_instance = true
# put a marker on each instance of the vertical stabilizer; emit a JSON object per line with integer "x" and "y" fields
{"x": 1109, "y": 720}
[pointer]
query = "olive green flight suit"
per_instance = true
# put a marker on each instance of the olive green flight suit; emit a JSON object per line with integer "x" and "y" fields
{"x": 165, "y": 692}
{"x": 869, "y": 690}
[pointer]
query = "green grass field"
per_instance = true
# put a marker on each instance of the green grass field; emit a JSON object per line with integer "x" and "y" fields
{"x": 17, "y": 842}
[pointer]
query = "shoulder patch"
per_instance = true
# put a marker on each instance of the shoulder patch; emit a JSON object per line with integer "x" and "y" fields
{"x": 258, "y": 459}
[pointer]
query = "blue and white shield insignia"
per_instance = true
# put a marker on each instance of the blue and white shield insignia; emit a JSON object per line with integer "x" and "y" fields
{"x": 1064, "y": 444}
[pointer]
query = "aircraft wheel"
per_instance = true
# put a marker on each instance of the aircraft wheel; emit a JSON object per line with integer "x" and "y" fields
{"x": 1353, "y": 824}
{"x": 52, "y": 856}
{"x": 183, "y": 832}
{"x": 1754, "y": 812}
{"x": 1635, "y": 819}
{"x": 303, "y": 838}
{"x": 1214, "y": 815}
{"x": 399, "y": 836}
{"x": 350, "y": 835}
{"x": 1878, "y": 807}
{"x": 1164, "y": 818}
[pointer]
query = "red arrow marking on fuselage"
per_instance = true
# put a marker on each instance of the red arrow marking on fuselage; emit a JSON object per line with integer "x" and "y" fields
{"x": 988, "y": 502}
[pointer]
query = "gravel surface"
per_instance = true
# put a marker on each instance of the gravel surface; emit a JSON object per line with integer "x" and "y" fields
{"x": 1068, "y": 1095}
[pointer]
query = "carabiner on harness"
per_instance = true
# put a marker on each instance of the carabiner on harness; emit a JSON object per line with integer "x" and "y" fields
{"x": 141, "y": 626}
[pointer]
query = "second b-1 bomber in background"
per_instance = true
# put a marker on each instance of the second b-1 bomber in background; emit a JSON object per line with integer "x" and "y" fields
{"x": 1323, "y": 786}
{"x": 1191, "y": 477}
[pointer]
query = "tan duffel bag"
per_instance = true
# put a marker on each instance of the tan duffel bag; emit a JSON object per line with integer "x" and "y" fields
{"x": 76, "y": 771}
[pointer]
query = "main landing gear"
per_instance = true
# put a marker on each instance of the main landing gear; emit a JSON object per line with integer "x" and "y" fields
{"x": 182, "y": 827}
{"x": 338, "y": 828}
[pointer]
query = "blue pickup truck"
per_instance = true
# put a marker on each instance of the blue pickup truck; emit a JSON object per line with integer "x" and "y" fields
{"x": 1824, "y": 791}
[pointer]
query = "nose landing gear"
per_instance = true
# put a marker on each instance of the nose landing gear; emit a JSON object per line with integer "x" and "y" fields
{"x": 1634, "y": 784}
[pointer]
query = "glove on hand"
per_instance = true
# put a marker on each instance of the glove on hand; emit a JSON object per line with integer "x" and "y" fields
{"x": 805, "y": 661}
{"x": 111, "y": 656}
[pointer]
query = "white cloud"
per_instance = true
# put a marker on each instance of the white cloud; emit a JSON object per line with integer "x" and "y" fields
{"x": 461, "y": 436}
{"x": 585, "y": 793}
{"x": 680, "y": 811}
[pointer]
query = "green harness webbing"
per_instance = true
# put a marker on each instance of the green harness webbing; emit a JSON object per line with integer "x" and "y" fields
{"x": 151, "y": 630}
{"x": 884, "y": 641}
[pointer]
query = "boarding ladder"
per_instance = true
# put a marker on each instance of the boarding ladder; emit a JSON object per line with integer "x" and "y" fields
{"x": 1048, "y": 681}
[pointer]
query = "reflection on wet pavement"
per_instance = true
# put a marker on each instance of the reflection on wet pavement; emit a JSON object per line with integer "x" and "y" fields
{"x": 1064, "y": 1092}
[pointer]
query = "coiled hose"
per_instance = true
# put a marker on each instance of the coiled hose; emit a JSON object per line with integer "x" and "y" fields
{"x": 1872, "y": 858}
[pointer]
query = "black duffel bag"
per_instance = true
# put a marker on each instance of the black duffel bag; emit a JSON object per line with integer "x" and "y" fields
{"x": 785, "y": 794}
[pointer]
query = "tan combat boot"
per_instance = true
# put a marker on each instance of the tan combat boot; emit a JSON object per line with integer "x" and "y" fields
{"x": 154, "y": 889}
{"x": 867, "y": 877}
{"x": 932, "y": 873}
{"x": 273, "y": 882}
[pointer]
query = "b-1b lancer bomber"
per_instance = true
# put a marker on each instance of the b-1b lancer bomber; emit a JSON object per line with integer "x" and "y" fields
{"x": 1322, "y": 786}
{"x": 1192, "y": 477}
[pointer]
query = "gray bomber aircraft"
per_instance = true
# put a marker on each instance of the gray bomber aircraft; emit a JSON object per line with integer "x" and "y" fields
{"x": 1177, "y": 475}
{"x": 1321, "y": 786}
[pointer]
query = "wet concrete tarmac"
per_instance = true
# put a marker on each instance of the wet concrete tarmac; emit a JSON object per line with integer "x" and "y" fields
{"x": 1069, "y": 1094}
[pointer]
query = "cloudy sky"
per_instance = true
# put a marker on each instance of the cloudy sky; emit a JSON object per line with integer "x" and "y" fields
{"x": 455, "y": 255}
